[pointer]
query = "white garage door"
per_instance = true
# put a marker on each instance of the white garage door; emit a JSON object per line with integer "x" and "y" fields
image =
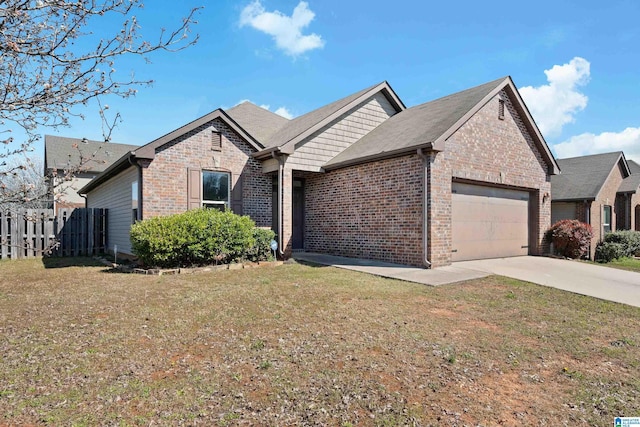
{"x": 489, "y": 222}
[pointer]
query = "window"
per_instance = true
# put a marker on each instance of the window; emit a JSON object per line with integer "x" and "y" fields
{"x": 606, "y": 219}
{"x": 215, "y": 189}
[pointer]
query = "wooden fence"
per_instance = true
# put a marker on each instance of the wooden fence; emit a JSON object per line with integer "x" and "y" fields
{"x": 36, "y": 232}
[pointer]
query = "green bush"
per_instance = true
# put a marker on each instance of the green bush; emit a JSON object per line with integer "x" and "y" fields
{"x": 609, "y": 251}
{"x": 197, "y": 237}
{"x": 630, "y": 241}
{"x": 571, "y": 238}
{"x": 261, "y": 250}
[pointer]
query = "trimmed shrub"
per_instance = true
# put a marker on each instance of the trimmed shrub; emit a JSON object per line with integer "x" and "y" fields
{"x": 571, "y": 238}
{"x": 630, "y": 241}
{"x": 261, "y": 250}
{"x": 609, "y": 251}
{"x": 196, "y": 237}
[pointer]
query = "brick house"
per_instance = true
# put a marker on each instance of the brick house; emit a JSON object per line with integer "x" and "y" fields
{"x": 602, "y": 190}
{"x": 71, "y": 163}
{"x": 462, "y": 177}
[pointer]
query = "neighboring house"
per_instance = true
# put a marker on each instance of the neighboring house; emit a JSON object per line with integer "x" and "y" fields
{"x": 600, "y": 190}
{"x": 70, "y": 163}
{"x": 462, "y": 177}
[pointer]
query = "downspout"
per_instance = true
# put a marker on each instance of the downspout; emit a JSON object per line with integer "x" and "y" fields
{"x": 137, "y": 165}
{"x": 425, "y": 214}
{"x": 280, "y": 160}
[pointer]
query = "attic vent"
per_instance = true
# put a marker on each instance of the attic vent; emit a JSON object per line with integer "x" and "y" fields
{"x": 216, "y": 140}
{"x": 501, "y": 109}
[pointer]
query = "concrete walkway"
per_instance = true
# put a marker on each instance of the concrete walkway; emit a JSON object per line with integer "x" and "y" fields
{"x": 435, "y": 277}
{"x": 587, "y": 279}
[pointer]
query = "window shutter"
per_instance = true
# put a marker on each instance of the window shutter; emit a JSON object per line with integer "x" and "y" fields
{"x": 236, "y": 196}
{"x": 194, "y": 188}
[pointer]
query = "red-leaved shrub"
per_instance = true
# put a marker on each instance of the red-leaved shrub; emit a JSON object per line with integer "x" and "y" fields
{"x": 571, "y": 238}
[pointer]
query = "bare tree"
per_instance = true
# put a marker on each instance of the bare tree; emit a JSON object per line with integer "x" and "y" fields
{"x": 27, "y": 182}
{"x": 47, "y": 73}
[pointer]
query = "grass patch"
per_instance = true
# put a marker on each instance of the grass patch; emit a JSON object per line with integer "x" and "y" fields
{"x": 631, "y": 264}
{"x": 298, "y": 345}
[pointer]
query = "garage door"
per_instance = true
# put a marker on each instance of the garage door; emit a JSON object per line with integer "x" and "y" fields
{"x": 489, "y": 222}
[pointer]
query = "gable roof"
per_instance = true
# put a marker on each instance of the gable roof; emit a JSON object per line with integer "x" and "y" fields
{"x": 630, "y": 184}
{"x": 62, "y": 153}
{"x": 257, "y": 121}
{"x": 148, "y": 151}
{"x": 582, "y": 177}
{"x": 296, "y": 130}
{"x": 429, "y": 125}
{"x": 634, "y": 167}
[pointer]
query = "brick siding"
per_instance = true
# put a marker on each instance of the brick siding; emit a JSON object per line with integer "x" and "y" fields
{"x": 371, "y": 211}
{"x": 488, "y": 150}
{"x": 165, "y": 178}
{"x": 606, "y": 197}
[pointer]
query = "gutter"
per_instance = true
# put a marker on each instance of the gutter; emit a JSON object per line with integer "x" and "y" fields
{"x": 378, "y": 156}
{"x": 425, "y": 213}
{"x": 112, "y": 170}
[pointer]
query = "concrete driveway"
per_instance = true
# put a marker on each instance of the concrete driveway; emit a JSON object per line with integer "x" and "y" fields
{"x": 587, "y": 279}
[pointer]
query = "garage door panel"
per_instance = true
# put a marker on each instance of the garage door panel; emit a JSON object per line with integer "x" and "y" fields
{"x": 482, "y": 250}
{"x": 489, "y": 222}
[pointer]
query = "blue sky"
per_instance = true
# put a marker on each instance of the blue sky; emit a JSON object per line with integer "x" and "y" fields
{"x": 577, "y": 63}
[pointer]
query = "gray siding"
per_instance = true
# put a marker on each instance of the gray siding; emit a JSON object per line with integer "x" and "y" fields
{"x": 563, "y": 210}
{"x": 321, "y": 147}
{"x": 115, "y": 195}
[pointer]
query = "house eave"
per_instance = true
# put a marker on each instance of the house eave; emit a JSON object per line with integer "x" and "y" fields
{"x": 380, "y": 156}
{"x": 574, "y": 199}
{"x": 121, "y": 164}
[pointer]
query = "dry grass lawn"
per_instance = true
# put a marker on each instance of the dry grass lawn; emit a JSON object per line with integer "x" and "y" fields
{"x": 304, "y": 345}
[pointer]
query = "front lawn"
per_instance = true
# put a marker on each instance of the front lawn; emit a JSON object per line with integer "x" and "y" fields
{"x": 302, "y": 345}
{"x": 632, "y": 264}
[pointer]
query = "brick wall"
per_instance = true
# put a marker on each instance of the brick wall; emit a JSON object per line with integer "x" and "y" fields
{"x": 488, "y": 150}
{"x": 606, "y": 197}
{"x": 165, "y": 178}
{"x": 635, "y": 211}
{"x": 372, "y": 211}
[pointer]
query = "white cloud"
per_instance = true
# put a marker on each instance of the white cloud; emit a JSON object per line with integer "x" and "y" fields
{"x": 587, "y": 143}
{"x": 265, "y": 106}
{"x": 555, "y": 104}
{"x": 285, "y": 30}
{"x": 282, "y": 111}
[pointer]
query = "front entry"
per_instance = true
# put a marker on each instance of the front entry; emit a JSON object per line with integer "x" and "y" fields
{"x": 297, "y": 239}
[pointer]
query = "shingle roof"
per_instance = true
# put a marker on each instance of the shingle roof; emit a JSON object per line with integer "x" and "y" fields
{"x": 583, "y": 177}
{"x": 303, "y": 125}
{"x": 259, "y": 122}
{"x": 416, "y": 126}
{"x": 62, "y": 152}
{"x": 630, "y": 184}
{"x": 634, "y": 167}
